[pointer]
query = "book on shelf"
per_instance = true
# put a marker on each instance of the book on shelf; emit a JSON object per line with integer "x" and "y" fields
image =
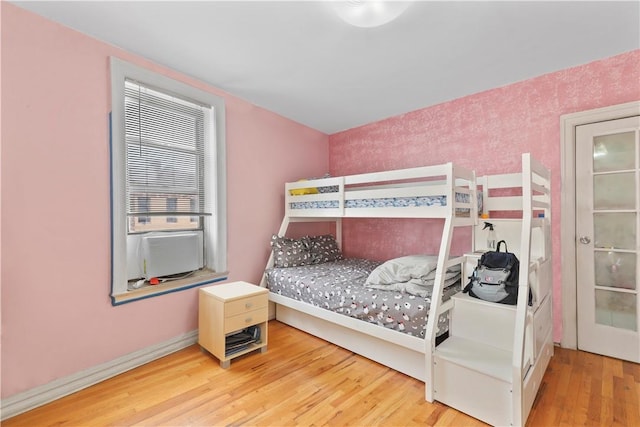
{"x": 241, "y": 340}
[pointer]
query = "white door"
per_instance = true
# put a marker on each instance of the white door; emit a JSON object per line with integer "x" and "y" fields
{"x": 608, "y": 233}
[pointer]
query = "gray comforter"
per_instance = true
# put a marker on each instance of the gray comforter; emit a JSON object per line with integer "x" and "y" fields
{"x": 339, "y": 286}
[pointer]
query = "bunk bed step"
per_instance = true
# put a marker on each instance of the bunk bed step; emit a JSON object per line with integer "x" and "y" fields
{"x": 476, "y": 356}
{"x": 464, "y": 221}
{"x": 474, "y": 378}
{"x": 486, "y": 322}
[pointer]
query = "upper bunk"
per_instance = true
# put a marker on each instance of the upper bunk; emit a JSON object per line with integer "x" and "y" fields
{"x": 439, "y": 191}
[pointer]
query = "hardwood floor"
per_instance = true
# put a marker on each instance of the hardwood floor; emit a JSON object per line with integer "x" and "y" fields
{"x": 302, "y": 380}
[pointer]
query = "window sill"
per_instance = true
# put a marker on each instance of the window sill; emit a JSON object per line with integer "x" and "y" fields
{"x": 202, "y": 277}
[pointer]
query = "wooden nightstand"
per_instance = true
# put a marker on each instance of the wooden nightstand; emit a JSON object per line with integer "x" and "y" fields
{"x": 227, "y": 309}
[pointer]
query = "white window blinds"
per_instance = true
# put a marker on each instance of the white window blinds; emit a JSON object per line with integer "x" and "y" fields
{"x": 164, "y": 138}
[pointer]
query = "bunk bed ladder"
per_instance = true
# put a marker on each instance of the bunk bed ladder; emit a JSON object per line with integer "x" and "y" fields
{"x": 485, "y": 366}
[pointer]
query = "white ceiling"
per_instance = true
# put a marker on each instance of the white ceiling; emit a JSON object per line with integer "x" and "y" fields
{"x": 300, "y": 60}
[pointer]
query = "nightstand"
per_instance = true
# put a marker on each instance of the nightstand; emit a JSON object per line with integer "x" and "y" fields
{"x": 232, "y": 320}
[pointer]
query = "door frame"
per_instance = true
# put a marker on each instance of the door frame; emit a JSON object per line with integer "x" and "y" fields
{"x": 568, "y": 124}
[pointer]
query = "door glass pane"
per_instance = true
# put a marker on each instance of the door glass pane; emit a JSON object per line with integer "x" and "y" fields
{"x": 615, "y": 269}
{"x": 614, "y": 230}
{"x": 616, "y": 309}
{"x": 614, "y": 152}
{"x": 614, "y": 191}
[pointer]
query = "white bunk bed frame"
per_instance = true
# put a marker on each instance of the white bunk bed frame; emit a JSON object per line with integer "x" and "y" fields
{"x": 506, "y": 384}
{"x": 394, "y": 349}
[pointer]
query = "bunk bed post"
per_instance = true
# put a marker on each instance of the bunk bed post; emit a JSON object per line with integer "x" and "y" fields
{"x": 436, "y": 297}
{"x": 281, "y": 232}
{"x": 339, "y": 232}
{"x": 518, "y": 410}
{"x": 436, "y": 303}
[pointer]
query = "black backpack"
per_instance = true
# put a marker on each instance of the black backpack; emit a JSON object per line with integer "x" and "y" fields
{"x": 495, "y": 278}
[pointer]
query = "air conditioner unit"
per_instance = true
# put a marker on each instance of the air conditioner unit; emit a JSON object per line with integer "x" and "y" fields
{"x": 171, "y": 253}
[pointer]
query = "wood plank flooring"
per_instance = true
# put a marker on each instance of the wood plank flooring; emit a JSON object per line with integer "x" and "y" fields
{"x": 305, "y": 381}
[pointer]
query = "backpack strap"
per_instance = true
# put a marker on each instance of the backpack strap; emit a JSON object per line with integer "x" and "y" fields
{"x": 468, "y": 287}
{"x": 505, "y": 246}
{"x": 471, "y": 279}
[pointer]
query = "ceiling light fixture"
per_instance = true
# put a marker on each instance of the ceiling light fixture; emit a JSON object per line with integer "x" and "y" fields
{"x": 369, "y": 13}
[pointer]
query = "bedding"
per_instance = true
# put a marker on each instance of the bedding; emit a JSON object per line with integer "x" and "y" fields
{"x": 306, "y": 250}
{"x": 386, "y": 202}
{"x": 340, "y": 286}
{"x": 394, "y": 202}
{"x": 414, "y": 274}
{"x": 405, "y": 268}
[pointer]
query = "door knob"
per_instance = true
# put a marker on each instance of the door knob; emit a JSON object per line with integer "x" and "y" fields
{"x": 585, "y": 240}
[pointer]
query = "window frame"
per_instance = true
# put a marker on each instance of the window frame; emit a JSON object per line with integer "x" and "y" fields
{"x": 215, "y": 195}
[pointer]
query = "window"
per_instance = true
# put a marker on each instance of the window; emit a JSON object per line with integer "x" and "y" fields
{"x": 164, "y": 137}
{"x": 168, "y": 183}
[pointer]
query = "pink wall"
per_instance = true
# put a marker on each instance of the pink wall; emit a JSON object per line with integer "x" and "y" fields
{"x": 56, "y": 313}
{"x": 487, "y": 131}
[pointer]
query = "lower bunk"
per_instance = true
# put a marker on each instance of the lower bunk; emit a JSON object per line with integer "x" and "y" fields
{"x": 349, "y": 302}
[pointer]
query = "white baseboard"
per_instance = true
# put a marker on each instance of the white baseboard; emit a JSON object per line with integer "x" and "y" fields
{"x": 38, "y": 396}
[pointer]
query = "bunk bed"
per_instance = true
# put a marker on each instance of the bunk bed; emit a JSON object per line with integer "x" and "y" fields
{"x": 491, "y": 363}
{"x": 446, "y": 192}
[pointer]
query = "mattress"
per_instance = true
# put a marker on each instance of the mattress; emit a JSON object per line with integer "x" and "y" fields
{"x": 386, "y": 202}
{"x": 339, "y": 286}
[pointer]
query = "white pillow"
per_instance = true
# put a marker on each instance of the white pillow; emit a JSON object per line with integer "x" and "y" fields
{"x": 403, "y": 269}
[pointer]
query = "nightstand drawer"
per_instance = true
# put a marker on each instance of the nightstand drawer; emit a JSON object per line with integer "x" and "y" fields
{"x": 243, "y": 305}
{"x": 244, "y": 320}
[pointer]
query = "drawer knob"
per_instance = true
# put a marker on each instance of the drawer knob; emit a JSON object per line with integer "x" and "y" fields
{"x": 248, "y": 305}
{"x": 248, "y": 320}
